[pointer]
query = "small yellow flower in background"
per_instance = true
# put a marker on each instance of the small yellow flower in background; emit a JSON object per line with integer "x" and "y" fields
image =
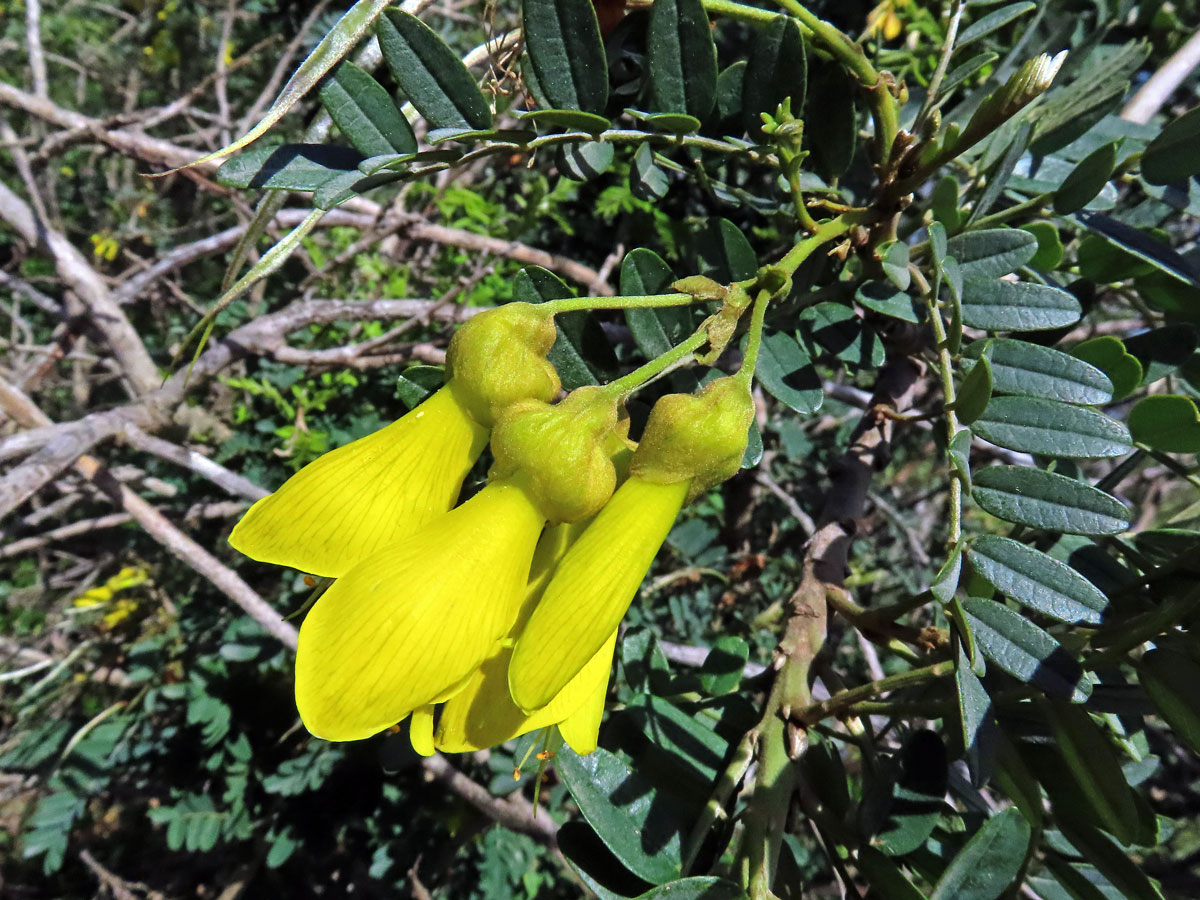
{"x": 884, "y": 20}
{"x": 128, "y": 577}
{"x": 106, "y": 594}
{"x": 373, "y": 492}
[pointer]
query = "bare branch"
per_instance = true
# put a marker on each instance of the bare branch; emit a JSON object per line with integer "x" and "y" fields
{"x": 1153, "y": 95}
{"x": 81, "y": 278}
{"x": 228, "y": 481}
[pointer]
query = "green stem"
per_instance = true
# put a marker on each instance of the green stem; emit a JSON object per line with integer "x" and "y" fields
{"x": 627, "y": 384}
{"x": 635, "y": 136}
{"x": 843, "y": 699}
{"x": 884, "y": 108}
{"x": 631, "y": 301}
{"x": 767, "y": 818}
{"x": 738, "y": 11}
{"x": 823, "y": 234}
{"x": 935, "y": 82}
{"x": 754, "y": 338}
{"x": 807, "y": 222}
{"x": 998, "y": 218}
{"x": 946, "y": 373}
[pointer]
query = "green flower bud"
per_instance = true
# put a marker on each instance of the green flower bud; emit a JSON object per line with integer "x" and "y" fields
{"x": 499, "y": 358}
{"x": 698, "y": 438}
{"x": 559, "y": 454}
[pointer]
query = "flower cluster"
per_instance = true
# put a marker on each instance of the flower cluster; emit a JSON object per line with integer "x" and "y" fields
{"x": 505, "y": 608}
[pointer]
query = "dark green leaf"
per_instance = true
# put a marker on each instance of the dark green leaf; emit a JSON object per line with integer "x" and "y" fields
{"x": 1025, "y": 651}
{"x": 894, "y": 258}
{"x": 838, "y": 330}
{"x": 1143, "y": 246}
{"x": 996, "y": 19}
{"x": 641, "y": 826}
{"x": 292, "y": 167}
{"x": 976, "y": 718}
{"x": 655, "y": 331}
{"x": 1108, "y": 354}
{"x": 1049, "y": 501}
{"x": 885, "y": 877}
{"x": 1032, "y": 370}
{"x": 776, "y": 70}
{"x": 965, "y": 70}
{"x": 1086, "y": 180}
{"x": 647, "y": 180}
{"x": 1050, "y": 251}
{"x": 1161, "y": 351}
{"x": 1096, "y": 768}
{"x": 724, "y": 253}
{"x": 342, "y": 187}
{"x": 1170, "y": 678}
{"x": 698, "y": 887}
{"x": 729, "y": 91}
{"x": 562, "y": 38}
{"x": 1077, "y": 885}
{"x": 945, "y": 583}
{"x": 974, "y": 392}
{"x": 754, "y": 447}
{"x": 1101, "y": 851}
{"x": 683, "y": 58}
{"x": 986, "y": 255}
{"x": 999, "y": 305}
{"x": 1167, "y": 422}
{"x": 986, "y": 867}
{"x": 569, "y": 119}
{"x": 1175, "y": 154}
{"x": 366, "y": 115}
{"x": 787, "y": 373}
{"x": 584, "y": 161}
{"x": 917, "y": 801}
{"x": 722, "y": 669}
{"x": 431, "y": 74}
{"x": 960, "y": 456}
{"x": 831, "y": 101}
{"x": 886, "y": 299}
{"x": 672, "y": 123}
{"x": 1037, "y": 581}
{"x": 1051, "y": 428}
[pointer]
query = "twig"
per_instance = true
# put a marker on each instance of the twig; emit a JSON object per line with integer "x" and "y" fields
{"x": 33, "y": 45}
{"x": 120, "y": 888}
{"x": 86, "y": 283}
{"x": 1157, "y": 90}
{"x": 228, "y": 481}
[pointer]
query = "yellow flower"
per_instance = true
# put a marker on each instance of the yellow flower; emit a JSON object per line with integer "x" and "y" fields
{"x": 483, "y": 713}
{"x": 884, "y": 19}
{"x": 410, "y": 624}
{"x": 591, "y": 590}
{"x": 371, "y": 493}
{"x": 690, "y": 444}
{"x": 360, "y": 498}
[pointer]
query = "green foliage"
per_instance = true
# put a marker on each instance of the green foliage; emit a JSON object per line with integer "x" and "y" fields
{"x": 1030, "y": 252}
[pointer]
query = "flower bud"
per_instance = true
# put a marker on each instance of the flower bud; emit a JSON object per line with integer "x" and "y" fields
{"x": 698, "y": 438}
{"x": 559, "y": 454}
{"x": 499, "y": 358}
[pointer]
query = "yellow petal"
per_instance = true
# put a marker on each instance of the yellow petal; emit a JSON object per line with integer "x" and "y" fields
{"x": 581, "y": 729}
{"x": 484, "y": 715}
{"x": 591, "y": 589}
{"x": 366, "y": 495}
{"x": 420, "y": 730}
{"x": 409, "y": 625}
{"x": 892, "y": 26}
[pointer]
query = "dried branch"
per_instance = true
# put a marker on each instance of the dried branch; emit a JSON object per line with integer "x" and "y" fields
{"x": 86, "y": 283}
{"x": 228, "y": 481}
{"x": 1153, "y": 95}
